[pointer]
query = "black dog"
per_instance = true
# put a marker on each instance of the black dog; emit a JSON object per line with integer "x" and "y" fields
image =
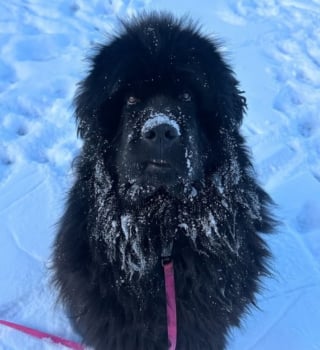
{"x": 163, "y": 170}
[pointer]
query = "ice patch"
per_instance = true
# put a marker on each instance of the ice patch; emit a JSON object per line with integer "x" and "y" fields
{"x": 159, "y": 119}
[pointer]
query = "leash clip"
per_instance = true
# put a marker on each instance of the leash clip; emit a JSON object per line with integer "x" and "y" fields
{"x": 166, "y": 256}
{"x": 165, "y": 260}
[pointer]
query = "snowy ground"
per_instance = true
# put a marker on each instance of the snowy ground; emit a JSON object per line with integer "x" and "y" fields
{"x": 274, "y": 46}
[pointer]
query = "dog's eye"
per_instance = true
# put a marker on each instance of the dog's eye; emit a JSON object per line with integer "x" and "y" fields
{"x": 132, "y": 100}
{"x": 185, "y": 96}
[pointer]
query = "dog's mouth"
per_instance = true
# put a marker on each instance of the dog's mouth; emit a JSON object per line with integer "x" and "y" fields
{"x": 158, "y": 165}
{"x": 159, "y": 172}
{"x": 155, "y": 174}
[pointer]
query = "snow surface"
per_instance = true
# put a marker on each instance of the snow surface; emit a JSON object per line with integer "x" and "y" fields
{"x": 274, "y": 46}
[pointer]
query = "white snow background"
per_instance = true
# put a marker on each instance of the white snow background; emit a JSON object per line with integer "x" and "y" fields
{"x": 274, "y": 47}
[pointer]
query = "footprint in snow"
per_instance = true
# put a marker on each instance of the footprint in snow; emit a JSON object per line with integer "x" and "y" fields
{"x": 6, "y": 160}
{"x": 309, "y": 217}
{"x": 315, "y": 159}
{"x": 286, "y": 98}
{"x": 308, "y": 124}
{"x": 7, "y": 75}
{"x": 15, "y": 124}
{"x": 40, "y": 47}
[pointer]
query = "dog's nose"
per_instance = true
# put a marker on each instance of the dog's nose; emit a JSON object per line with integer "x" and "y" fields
{"x": 164, "y": 134}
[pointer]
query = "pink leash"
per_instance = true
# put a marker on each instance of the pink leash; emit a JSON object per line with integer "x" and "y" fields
{"x": 171, "y": 315}
{"x": 41, "y": 335}
{"x": 171, "y": 302}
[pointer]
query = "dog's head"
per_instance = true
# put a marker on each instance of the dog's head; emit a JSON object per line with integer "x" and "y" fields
{"x": 161, "y": 97}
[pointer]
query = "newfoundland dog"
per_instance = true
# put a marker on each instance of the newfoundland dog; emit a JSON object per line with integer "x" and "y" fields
{"x": 163, "y": 171}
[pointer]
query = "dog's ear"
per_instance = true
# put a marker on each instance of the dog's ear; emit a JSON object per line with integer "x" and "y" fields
{"x": 97, "y": 94}
{"x": 223, "y": 105}
{"x": 230, "y": 103}
{"x": 220, "y": 95}
{"x": 233, "y": 108}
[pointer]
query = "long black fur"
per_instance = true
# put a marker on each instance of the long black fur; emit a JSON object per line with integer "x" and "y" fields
{"x": 219, "y": 252}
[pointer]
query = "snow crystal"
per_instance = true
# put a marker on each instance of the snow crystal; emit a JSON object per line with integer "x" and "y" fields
{"x": 217, "y": 182}
{"x": 183, "y": 226}
{"x": 189, "y": 155}
{"x": 125, "y": 225}
{"x": 194, "y": 192}
{"x": 209, "y": 224}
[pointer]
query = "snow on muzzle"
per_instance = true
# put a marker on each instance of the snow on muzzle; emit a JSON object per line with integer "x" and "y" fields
{"x": 158, "y": 119}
